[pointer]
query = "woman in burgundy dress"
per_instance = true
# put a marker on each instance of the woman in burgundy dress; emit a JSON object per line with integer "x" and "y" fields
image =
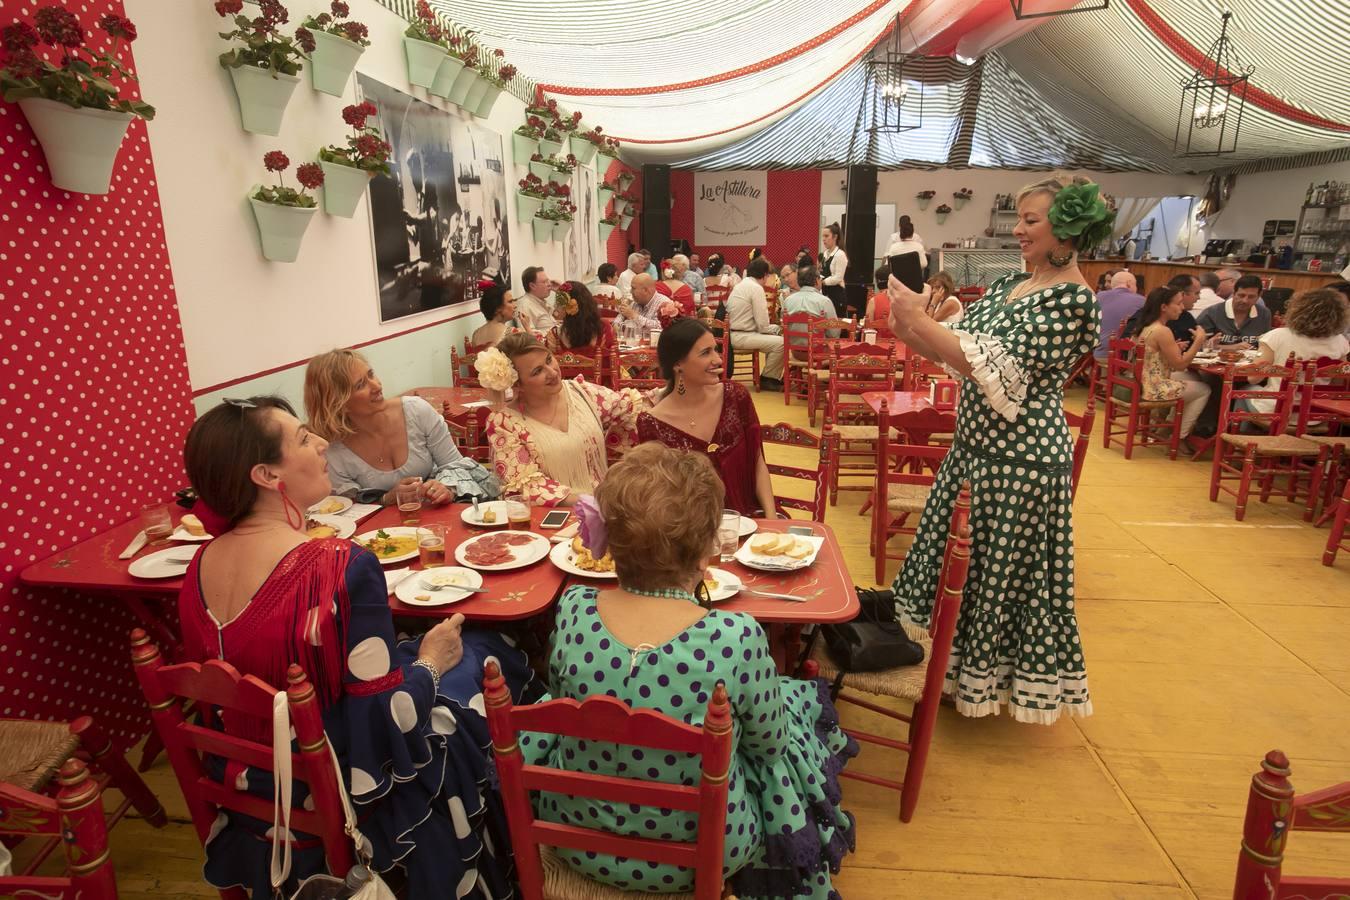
{"x": 700, "y": 412}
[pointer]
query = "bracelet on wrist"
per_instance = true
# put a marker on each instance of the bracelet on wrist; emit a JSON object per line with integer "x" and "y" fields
{"x": 432, "y": 670}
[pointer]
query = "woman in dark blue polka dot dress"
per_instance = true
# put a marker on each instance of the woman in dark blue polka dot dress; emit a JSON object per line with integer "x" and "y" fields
{"x": 650, "y": 644}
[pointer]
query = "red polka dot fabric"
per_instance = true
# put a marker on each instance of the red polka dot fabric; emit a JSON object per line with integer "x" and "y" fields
{"x": 94, "y": 405}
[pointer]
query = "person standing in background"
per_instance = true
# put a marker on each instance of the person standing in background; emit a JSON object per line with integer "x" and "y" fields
{"x": 833, "y": 265}
{"x": 900, "y": 228}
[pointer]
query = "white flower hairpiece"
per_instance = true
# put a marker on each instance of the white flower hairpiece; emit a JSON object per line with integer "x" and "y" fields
{"x": 495, "y": 371}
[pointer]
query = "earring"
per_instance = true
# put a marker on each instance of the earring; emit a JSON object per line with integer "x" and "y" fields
{"x": 290, "y": 506}
{"x": 1061, "y": 261}
{"x": 679, "y": 382}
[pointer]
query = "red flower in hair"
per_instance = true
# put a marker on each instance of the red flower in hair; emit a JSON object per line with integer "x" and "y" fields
{"x": 340, "y": 9}
{"x": 310, "y": 175}
{"x": 276, "y": 161}
{"x": 305, "y": 38}
{"x": 118, "y": 27}
{"x": 229, "y": 7}
{"x": 355, "y": 31}
{"x": 19, "y": 37}
{"x": 59, "y": 27}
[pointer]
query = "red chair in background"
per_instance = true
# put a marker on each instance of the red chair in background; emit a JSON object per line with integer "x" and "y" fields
{"x": 796, "y": 369}
{"x": 1080, "y": 446}
{"x": 1336, "y": 540}
{"x": 539, "y": 870}
{"x": 462, "y": 372}
{"x": 729, "y": 367}
{"x": 1273, "y": 811}
{"x": 72, "y": 818}
{"x": 1327, "y": 380}
{"x": 905, "y": 476}
{"x": 818, "y": 345}
{"x": 216, "y": 685}
{"x": 1129, "y": 417}
{"x": 921, "y": 684}
{"x": 855, "y": 370}
{"x": 638, "y": 369}
{"x": 791, "y": 436}
{"x": 584, "y": 361}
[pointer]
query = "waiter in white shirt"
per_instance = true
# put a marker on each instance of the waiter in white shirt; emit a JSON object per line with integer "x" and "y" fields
{"x": 914, "y": 236}
{"x": 833, "y": 265}
{"x": 904, "y": 241}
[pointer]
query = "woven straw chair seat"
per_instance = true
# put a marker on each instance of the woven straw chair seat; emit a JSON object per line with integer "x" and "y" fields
{"x": 907, "y": 497}
{"x": 1157, "y": 404}
{"x": 905, "y": 683}
{"x": 855, "y": 432}
{"x": 1273, "y": 444}
{"x": 1329, "y": 440}
{"x": 821, "y": 374}
{"x": 562, "y": 883}
{"x": 32, "y": 752}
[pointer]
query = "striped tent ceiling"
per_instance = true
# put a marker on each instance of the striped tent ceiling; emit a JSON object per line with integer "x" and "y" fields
{"x": 780, "y": 82}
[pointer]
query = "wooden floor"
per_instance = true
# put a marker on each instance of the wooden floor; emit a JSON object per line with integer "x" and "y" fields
{"x": 1208, "y": 642}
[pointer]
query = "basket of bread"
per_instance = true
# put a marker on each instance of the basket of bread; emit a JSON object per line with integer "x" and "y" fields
{"x": 776, "y": 551}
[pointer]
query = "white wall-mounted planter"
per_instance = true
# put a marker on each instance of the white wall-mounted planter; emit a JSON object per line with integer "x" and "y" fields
{"x": 332, "y": 63}
{"x": 542, "y": 170}
{"x": 281, "y": 228}
{"x": 424, "y": 60}
{"x": 959, "y": 202}
{"x": 605, "y": 195}
{"x": 343, "y": 188}
{"x": 474, "y": 95}
{"x": 527, "y": 206}
{"x": 923, "y": 202}
{"x": 550, "y": 148}
{"x": 449, "y": 70}
{"x": 543, "y": 230}
{"x": 941, "y": 217}
{"x": 560, "y": 229}
{"x": 263, "y": 95}
{"x": 489, "y": 100}
{"x": 80, "y": 144}
{"x": 625, "y": 221}
{"x": 522, "y": 147}
{"x": 464, "y": 82}
{"x": 582, "y": 149}
{"x": 606, "y": 229}
{"x": 559, "y": 177}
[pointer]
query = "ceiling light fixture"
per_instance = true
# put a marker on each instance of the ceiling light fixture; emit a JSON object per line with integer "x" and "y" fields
{"x": 891, "y": 104}
{"x": 1213, "y": 100}
{"x": 1039, "y": 9}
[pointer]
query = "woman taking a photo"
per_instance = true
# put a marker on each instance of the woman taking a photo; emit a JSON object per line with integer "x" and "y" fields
{"x": 499, "y": 308}
{"x": 650, "y": 643}
{"x": 377, "y": 444}
{"x": 699, "y": 411}
{"x": 1017, "y": 641}
{"x": 549, "y": 442}
{"x": 1166, "y": 375}
{"x": 401, "y": 715}
{"x": 581, "y": 327}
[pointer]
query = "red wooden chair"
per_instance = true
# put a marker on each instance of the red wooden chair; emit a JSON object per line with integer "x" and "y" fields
{"x": 729, "y": 360}
{"x": 1129, "y": 417}
{"x": 796, "y": 369}
{"x": 1336, "y": 541}
{"x": 715, "y": 295}
{"x": 921, "y": 684}
{"x": 1273, "y": 811}
{"x": 462, "y": 371}
{"x": 216, "y": 685}
{"x": 638, "y": 369}
{"x": 603, "y": 718}
{"x": 791, "y": 436}
{"x": 72, "y": 818}
{"x": 854, "y": 370}
{"x": 920, "y": 372}
{"x": 1325, "y": 382}
{"x": 583, "y": 361}
{"x": 1261, "y": 458}
{"x": 1080, "y": 446}
{"x": 905, "y": 476}
{"x": 818, "y": 345}
{"x": 470, "y": 433}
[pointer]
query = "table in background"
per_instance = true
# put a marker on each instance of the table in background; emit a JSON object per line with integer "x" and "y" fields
{"x": 914, "y": 412}
{"x": 455, "y": 400}
{"x": 1339, "y": 408}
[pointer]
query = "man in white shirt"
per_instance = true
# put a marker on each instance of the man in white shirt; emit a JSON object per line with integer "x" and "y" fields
{"x": 1215, "y": 287}
{"x": 833, "y": 265}
{"x": 646, "y": 303}
{"x": 806, "y": 299}
{"x": 533, "y": 310}
{"x": 680, "y": 263}
{"x": 751, "y": 330}
{"x": 636, "y": 266}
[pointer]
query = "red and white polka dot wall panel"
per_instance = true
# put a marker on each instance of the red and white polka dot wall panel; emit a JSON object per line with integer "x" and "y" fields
{"x": 94, "y": 405}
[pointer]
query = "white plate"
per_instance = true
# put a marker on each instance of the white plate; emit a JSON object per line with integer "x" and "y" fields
{"x": 525, "y": 554}
{"x": 392, "y": 531}
{"x": 779, "y": 563}
{"x": 345, "y": 527}
{"x": 497, "y": 506}
{"x": 414, "y": 586}
{"x": 345, "y": 501}
{"x": 723, "y": 578}
{"x": 748, "y": 526}
{"x": 159, "y": 564}
{"x": 563, "y": 557}
{"x": 182, "y": 534}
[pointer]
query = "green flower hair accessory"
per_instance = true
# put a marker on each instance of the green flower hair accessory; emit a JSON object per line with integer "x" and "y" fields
{"x": 1079, "y": 212}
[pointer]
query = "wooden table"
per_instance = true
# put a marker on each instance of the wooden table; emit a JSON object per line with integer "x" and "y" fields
{"x": 453, "y": 398}
{"x": 912, "y": 411}
{"x": 1336, "y": 407}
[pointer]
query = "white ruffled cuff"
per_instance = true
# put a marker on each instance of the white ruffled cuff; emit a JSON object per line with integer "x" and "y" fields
{"x": 996, "y": 372}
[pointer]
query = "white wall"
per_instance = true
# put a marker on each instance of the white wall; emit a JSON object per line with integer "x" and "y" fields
{"x": 242, "y": 314}
{"x": 1269, "y": 195}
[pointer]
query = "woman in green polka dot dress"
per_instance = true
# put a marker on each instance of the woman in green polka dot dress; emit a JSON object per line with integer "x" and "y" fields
{"x": 650, "y": 643}
{"x": 1017, "y": 637}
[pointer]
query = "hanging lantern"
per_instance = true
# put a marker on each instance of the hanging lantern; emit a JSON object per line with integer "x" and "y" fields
{"x": 1212, "y": 101}
{"x": 1038, "y": 9}
{"x": 892, "y": 104}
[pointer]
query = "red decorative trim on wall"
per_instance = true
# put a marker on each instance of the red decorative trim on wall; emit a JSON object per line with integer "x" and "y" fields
{"x": 776, "y": 59}
{"x": 1195, "y": 58}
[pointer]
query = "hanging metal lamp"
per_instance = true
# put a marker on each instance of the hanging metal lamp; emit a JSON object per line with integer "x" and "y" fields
{"x": 892, "y": 102}
{"x": 1039, "y": 9}
{"x": 1213, "y": 100}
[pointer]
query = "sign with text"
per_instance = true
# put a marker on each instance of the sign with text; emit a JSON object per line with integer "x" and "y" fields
{"x": 730, "y": 208}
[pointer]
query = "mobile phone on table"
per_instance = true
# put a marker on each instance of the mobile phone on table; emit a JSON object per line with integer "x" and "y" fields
{"x": 907, "y": 269}
{"x": 555, "y": 519}
{"x": 803, "y": 530}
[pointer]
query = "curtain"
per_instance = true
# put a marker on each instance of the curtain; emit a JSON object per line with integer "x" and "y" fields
{"x": 1130, "y": 211}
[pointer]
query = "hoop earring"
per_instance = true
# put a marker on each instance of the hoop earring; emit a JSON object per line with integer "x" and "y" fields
{"x": 289, "y": 506}
{"x": 679, "y": 383}
{"x": 1061, "y": 261}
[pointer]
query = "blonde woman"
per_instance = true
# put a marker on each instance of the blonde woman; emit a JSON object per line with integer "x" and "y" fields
{"x": 549, "y": 442}
{"x": 377, "y": 443}
{"x": 943, "y": 304}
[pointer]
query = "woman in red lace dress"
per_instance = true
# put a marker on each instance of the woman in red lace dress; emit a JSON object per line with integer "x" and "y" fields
{"x": 677, "y": 290}
{"x": 700, "y": 412}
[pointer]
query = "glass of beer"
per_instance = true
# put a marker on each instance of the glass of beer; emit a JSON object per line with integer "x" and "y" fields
{"x": 518, "y": 513}
{"x": 157, "y": 523}
{"x": 728, "y": 534}
{"x": 409, "y": 497}
{"x": 431, "y": 545}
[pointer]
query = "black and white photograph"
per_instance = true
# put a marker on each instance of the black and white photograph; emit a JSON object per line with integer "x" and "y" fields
{"x": 583, "y": 245}
{"x": 439, "y": 218}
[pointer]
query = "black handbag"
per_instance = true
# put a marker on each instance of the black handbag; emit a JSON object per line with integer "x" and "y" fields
{"x": 874, "y": 640}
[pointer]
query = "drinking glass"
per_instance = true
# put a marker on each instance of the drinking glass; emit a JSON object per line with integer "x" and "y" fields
{"x": 157, "y": 523}
{"x": 728, "y": 534}
{"x": 409, "y": 498}
{"x": 517, "y": 512}
{"x": 431, "y": 545}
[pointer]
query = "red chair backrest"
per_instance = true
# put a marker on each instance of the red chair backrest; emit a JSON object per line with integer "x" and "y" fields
{"x": 605, "y": 718}
{"x": 1231, "y": 420}
{"x": 462, "y": 371}
{"x": 792, "y": 436}
{"x": 638, "y": 368}
{"x": 853, "y": 371}
{"x": 797, "y": 330}
{"x": 1080, "y": 446}
{"x": 725, "y": 340}
{"x": 951, "y": 583}
{"x": 818, "y": 343}
{"x": 1273, "y": 811}
{"x": 218, "y": 685}
{"x": 74, "y": 819}
{"x": 715, "y": 295}
{"x": 1322, "y": 380}
{"x": 574, "y": 361}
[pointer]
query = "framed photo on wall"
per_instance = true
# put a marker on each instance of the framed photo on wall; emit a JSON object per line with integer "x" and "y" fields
{"x": 438, "y": 220}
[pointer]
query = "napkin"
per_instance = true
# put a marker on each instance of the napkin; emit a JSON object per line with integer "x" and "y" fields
{"x": 392, "y": 577}
{"x": 476, "y": 403}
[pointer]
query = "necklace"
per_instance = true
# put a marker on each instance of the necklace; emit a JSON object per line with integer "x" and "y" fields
{"x": 663, "y": 593}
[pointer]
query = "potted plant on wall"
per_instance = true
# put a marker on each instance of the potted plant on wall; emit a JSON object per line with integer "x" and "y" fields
{"x": 607, "y": 226}
{"x": 609, "y": 148}
{"x": 562, "y": 169}
{"x": 626, "y": 203}
{"x": 450, "y": 68}
{"x": 424, "y": 46}
{"x": 942, "y": 211}
{"x": 347, "y": 170}
{"x": 496, "y": 83}
{"x": 531, "y": 193}
{"x": 265, "y": 67}
{"x": 525, "y": 139}
{"x": 554, "y": 219}
{"x": 960, "y": 197}
{"x": 283, "y": 213}
{"x": 338, "y": 44}
{"x": 550, "y": 144}
{"x": 74, "y": 109}
{"x": 467, "y": 79}
{"x": 542, "y": 166}
{"x": 606, "y": 192}
{"x": 584, "y": 144}
{"x": 924, "y": 197}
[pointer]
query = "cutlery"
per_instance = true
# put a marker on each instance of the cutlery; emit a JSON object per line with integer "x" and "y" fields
{"x": 740, "y": 586}
{"x": 179, "y": 561}
{"x": 456, "y": 587}
{"x": 134, "y": 547}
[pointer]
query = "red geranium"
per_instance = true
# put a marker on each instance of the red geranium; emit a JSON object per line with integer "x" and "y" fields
{"x": 355, "y": 31}
{"x": 310, "y": 175}
{"x": 498, "y": 52}
{"x": 424, "y": 10}
{"x": 118, "y": 27}
{"x": 371, "y": 145}
{"x": 59, "y": 27}
{"x": 506, "y": 72}
{"x": 19, "y": 37}
{"x": 229, "y": 7}
{"x": 305, "y": 38}
{"x": 274, "y": 12}
{"x": 340, "y": 9}
{"x": 356, "y": 115}
{"x": 276, "y": 161}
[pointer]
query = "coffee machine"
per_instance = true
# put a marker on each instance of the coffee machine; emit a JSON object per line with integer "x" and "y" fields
{"x": 1219, "y": 248}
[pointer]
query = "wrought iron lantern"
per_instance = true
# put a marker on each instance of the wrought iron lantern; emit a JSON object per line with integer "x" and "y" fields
{"x": 891, "y": 104}
{"x": 1039, "y": 9}
{"x": 1212, "y": 101}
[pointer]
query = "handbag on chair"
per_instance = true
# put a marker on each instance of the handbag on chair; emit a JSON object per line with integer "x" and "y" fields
{"x": 873, "y": 640}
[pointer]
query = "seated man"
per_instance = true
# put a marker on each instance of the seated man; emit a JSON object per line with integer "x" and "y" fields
{"x": 1215, "y": 288}
{"x": 748, "y": 319}
{"x": 1182, "y": 326}
{"x": 807, "y": 298}
{"x": 1239, "y": 319}
{"x": 1118, "y": 304}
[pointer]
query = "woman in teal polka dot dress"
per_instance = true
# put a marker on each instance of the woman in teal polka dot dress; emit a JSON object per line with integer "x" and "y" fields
{"x": 651, "y": 644}
{"x": 1017, "y": 637}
